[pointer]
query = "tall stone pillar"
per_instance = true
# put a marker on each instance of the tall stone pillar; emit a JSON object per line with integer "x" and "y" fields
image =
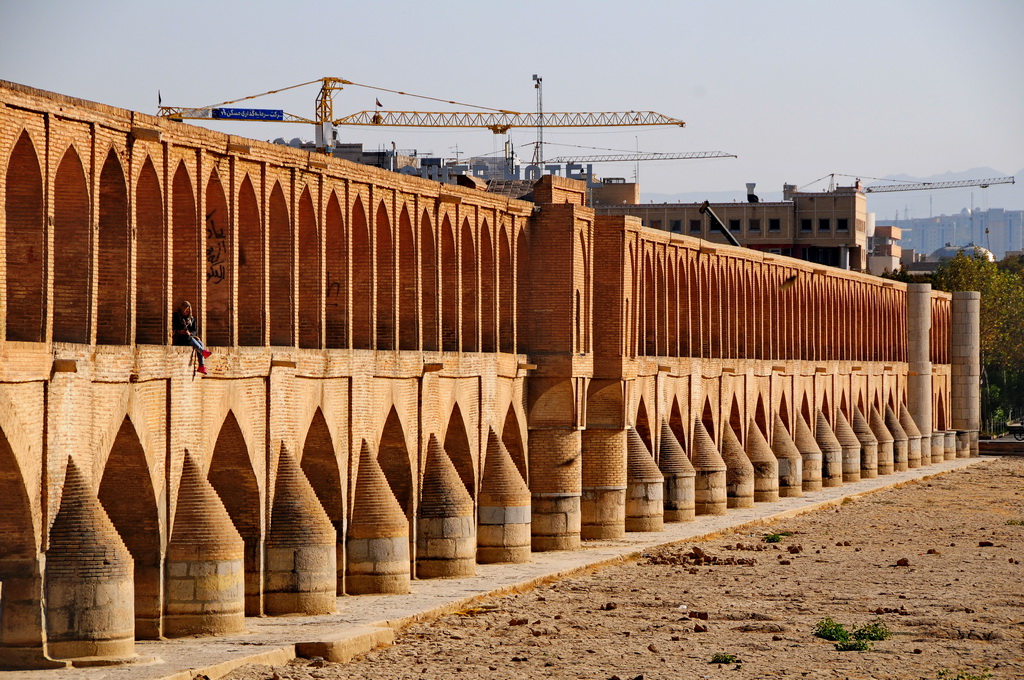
{"x": 556, "y": 486}
{"x": 603, "y": 503}
{"x": 966, "y": 368}
{"x": 503, "y": 508}
{"x": 919, "y": 363}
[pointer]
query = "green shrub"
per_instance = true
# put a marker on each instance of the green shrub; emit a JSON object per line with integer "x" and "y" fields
{"x": 876, "y": 630}
{"x": 827, "y": 629}
{"x": 855, "y": 645}
{"x": 946, "y": 674}
{"x": 724, "y": 657}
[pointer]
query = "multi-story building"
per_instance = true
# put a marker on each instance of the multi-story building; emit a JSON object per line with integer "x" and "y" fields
{"x": 996, "y": 229}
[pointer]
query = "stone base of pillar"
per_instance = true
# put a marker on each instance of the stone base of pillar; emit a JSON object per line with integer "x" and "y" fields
{"x": 938, "y": 447}
{"x": 811, "y": 472}
{"x": 446, "y": 547}
{"x": 709, "y": 493}
{"x": 556, "y": 522}
{"x": 913, "y": 452}
{"x": 603, "y": 512}
{"x": 503, "y": 534}
{"x": 851, "y": 464}
{"x": 900, "y": 456}
{"x": 378, "y": 566}
{"x": 974, "y": 444}
{"x": 645, "y": 506}
{"x": 886, "y": 462}
{"x": 301, "y": 580}
{"x": 949, "y": 445}
{"x": 204, "y": 597}
{"x": 963, "y": 444}
{"x": 679, "y": 500}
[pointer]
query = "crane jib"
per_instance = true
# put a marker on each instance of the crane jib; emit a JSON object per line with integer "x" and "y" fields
{"x": 248, "y": 114}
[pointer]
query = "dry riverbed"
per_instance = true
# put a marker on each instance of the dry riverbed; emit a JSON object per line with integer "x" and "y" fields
{"x": 938, "y": 562}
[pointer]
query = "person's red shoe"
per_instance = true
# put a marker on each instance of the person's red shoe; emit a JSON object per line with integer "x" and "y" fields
{"x": 206, "y": 353}
{"x": 202, "y": 369}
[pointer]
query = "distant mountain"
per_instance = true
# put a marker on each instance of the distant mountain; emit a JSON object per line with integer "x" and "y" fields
{"x": 908, "y": 203}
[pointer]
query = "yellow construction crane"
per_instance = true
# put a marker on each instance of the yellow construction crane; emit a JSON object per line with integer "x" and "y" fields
{"x": 498, "y": 121}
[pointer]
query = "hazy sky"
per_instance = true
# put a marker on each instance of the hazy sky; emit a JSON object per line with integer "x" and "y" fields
{"x": 796, "y": 89}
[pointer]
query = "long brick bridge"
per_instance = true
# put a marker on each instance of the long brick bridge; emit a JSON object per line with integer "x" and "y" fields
{"x": 408, "y": 378}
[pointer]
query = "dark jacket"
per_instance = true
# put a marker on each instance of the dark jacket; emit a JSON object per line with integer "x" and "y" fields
{"x": 182, "y": 326}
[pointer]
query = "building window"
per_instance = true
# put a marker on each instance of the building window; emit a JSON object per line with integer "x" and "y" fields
{"x": 655, "y": 224}
{"x": 734, "y": 225}
{"x": 842, "y": 224}
{"x": 677, "y": 226}
{"x": 824, "y": 224}
{"x": 694, "y": 226}
{"x": 774, "y": 224}
{"x": 805, "y": 225}
{"x": 754, "y": 224}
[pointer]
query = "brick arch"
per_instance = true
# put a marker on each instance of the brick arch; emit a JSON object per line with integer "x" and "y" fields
{"x": 72, "y": 261}
{"x": 385, "y": 279}
{"x": 336, "y": 301}
{"x": 250, "y": 266}
{"x": 18, "y": 549}
{"x": 844, "y": 406}
{"x": 282, "y": 270}
{"x": 113, "y": 291}
{"x": 362, "y": 279}
{"x": 467, "y": 250}
{"x": 940, "y": 413}
{"x": 826, "y": 406}
{"x": 704, "y": 291}
{"x": 693, "y": 310}
{"x": 784, "y": 413}
{"x": 749, "y": 316}
{"x": 460, "y": 450}
{"x": 219, "y": 264}
{"x": 672, "y": 309}
{"x": 408, "y": 314}
{"x": 136, "y": 518}
{"x": 661, "y": 311}
{"x": 715, "y": 291}
{"x": 428, "y": 283}
{"x": 488, "y": 301}
{"x": 449, "y": 289}
{"x": 232, "y": 476}
{"x": 309, "y": 278}
{"x": 25, "y": 244}
{"x": 806, "y": 412}
{"x": 394, "y": 460}
{"x": 319, "y": 462}
{"x": 512, "y": 437}
{"x": 506, "y": 297}
{"x": 736, "y": 420}
{"x": 185, "y": 271}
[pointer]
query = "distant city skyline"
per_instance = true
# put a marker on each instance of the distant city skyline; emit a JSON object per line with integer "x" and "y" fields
{"x": 797, "y": 89}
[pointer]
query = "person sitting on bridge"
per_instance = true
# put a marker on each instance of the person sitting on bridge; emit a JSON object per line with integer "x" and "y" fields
{"x": 184, "y": 326}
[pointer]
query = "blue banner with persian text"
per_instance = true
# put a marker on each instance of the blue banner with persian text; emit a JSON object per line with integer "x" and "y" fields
{"x": 248, "y": 114}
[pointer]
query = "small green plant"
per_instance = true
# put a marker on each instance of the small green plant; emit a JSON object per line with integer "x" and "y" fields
{"x": 1015, "y": 522}
{"x": 827, "y": 629}
{"x": 876, "y": 630}
{"x": 724, "y": 657}
{"x": 854, "y": 645}
{"x": 946, "y": 674}
{"x": 776, "y": 537}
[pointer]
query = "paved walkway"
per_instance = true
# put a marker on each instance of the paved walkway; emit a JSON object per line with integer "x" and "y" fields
{"x": 366, "y": 621}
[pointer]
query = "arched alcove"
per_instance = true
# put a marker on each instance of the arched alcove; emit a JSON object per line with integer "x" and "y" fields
{"x": 25, "y": 244}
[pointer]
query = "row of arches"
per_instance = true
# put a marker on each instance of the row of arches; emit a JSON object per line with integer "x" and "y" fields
{"x": 694, "y": 304}
{"x": 941, "y": 329}
{"x": 264, "y": 261}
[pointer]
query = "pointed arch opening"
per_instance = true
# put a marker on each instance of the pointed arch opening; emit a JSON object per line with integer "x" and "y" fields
{"x": 784, "y": 414}
{"x": 650, "y": 310}
{"x": 845, "y": 407}
{"x": 319, "y": 463}
{"x": 736, "y": 421}
{"x": 449, "y": 289}
{"x": 72, "y": 260}
{"x": 219, "y": 266}
{"x": 113, "y": 281}
{"x": 393, "y": 457}
{"x": 185, "y": 271}
{"x": 385, "y": 279}
{"x": 408, "y": 316}
{"x": 310, "y": 286}
{"x": 25, "y": 244}
{"x": 707, "y": 418}
{"x": 678, "y": 425}
{"x": 506, "y": 300}
{"x": 282, "y": 270}
{"x": 940, "y": 414}
{"x": 488, "y": 303}
{"x": 250, "y": 267}
{"x": 761, "y": 417}
{"x": 428, "y": 284}
{"x": 362, "y": 279}
{"x": 233, "y": 478}
{"x": 512, "y": 437}
{"x": 643, "y": 425}
{"x": 522, "y": 260}
{"x": 826, "y": 407}
{"x": 805, "y": 410}
{"x": 336, "y": 303}
{"x": 469, "y": 290}
{"x": 136, "y": 519}
{"x": 456, "y": 443}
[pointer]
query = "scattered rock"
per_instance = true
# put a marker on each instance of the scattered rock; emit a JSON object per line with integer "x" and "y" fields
{"x": 608, "y": 606}
{"x": 984, "y": 544}
{"x": 700, "y": 628}
{"x": 903, "y": 562}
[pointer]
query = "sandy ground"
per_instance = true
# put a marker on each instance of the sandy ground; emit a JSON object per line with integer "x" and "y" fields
{"x": 939, "y": 562}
